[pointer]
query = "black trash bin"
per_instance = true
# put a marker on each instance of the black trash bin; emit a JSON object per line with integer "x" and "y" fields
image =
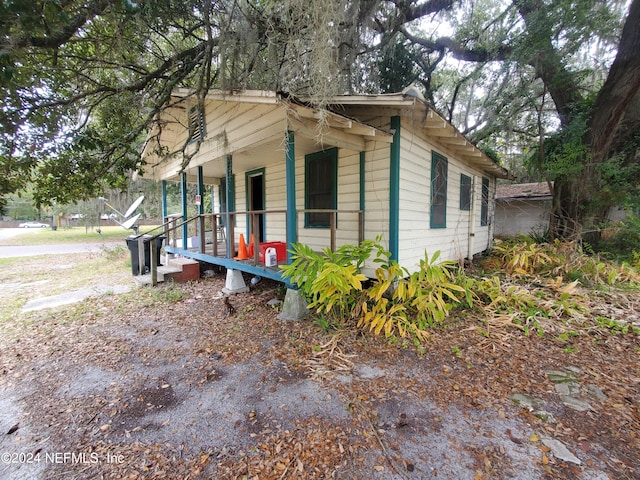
{"x": 132, "y": 243}
{"x": 159, "y": 241}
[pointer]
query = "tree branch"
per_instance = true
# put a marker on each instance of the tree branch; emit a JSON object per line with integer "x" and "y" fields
{"x": 460, "y": 52}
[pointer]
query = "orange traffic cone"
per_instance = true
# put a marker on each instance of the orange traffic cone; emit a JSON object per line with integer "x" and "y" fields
{"x": 251, "y": 245}
{"x": 242, "y": 249}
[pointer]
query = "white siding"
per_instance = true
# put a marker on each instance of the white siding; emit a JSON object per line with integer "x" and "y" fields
{"x": 515, "y": 217}
{"x": 231, "y": 127}
{"x": 416, "y": 237}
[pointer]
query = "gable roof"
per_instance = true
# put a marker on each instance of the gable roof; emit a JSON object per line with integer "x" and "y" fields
{"x": 346, "y": 121}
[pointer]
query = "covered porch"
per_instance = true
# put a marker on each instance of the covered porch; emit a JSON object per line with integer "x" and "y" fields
{"x": 300, "y": 174}
{"x": 217, "y": 245}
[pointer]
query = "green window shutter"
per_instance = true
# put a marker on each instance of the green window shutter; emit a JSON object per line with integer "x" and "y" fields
{"x": 465, "y": 192}
{"x": 320, "y": 186}
{"x": 484, "y": 206}
{"x": 439, "y": 172}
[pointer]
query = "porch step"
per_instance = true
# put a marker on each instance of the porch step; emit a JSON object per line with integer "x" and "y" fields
{"x": 178, "y": 270}
{"x": 188, "y": 269}
{"x": 165, "y": 273}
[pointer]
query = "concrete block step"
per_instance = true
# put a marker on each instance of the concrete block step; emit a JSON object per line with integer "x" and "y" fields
{"x": 189, "y": 269}
{"x": 165, "y": 272}
{"x": 177, "y": 270}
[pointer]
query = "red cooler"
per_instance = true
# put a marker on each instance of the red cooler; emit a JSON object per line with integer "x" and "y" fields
{"x": 281, "y": 250}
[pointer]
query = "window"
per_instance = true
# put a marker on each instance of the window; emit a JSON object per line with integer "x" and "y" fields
{"x": 465, "y": 192}
{"x": 484, "y": 209}
{"x": 320, "y": 186}
{"x": 196, "y": 123}
{"x": 439, "y": 168}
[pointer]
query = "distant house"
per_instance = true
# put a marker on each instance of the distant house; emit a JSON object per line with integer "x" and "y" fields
{"x": 281, "y": 170}
{"x": 522, "y": 208}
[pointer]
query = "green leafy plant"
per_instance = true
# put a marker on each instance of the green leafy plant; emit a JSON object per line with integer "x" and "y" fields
{"x": 396, "y": 304}
{"x": 408, "y": 304}
{"x": 331, "y": 281}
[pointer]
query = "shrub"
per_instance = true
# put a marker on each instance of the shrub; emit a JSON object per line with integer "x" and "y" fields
{"x": 330, "y": 281}
{"x": 395, "y": 304}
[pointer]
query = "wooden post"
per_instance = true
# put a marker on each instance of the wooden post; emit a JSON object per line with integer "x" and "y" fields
{"x": 202, "y": 232}
{"x": 231, "y": 236}
{"x": 332, "y": 225}
{"x": 167, "y": 232}
{"x": 255, "y": 227}
{"x": 153, "y": 249}
{"x": 141, "y": 255}
{"x": 183, "y": 195}
{"x": 214, "y": 229}
{"x": 228, "y": 200}
{"x": 290, "y": 173}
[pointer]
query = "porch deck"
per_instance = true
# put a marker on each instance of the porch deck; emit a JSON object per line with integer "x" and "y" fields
{"x": 204, "y": 238}
{"x": 249, "y": 266}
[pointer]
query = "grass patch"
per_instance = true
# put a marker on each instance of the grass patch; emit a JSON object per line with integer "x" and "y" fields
{"x": 46, "y": 236}
{"x": 29, "y": 278}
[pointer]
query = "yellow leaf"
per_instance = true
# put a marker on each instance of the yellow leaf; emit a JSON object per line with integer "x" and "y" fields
{"x": 534, "y": 438}
{"x": 545, "y": 460}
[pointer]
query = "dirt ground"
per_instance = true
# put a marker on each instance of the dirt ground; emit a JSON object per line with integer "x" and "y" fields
{"x": 167, "y": 383}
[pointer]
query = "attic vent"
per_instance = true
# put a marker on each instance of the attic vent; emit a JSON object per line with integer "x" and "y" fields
{"x": 196, "y": 123}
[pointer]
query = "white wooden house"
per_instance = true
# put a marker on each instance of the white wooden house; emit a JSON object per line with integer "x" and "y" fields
{"x": 369, "y": 165}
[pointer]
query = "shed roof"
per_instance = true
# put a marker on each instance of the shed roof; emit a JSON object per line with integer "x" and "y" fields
{"x": 524, "y": 191}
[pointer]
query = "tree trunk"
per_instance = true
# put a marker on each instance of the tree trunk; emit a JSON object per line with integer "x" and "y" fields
{"x": 577, "y": 210}
{"x": 622, "y": 85}
{"x": 565, "y": 221}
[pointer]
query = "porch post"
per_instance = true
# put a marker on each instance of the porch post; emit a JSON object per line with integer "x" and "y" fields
{"x": 362, "y": 196}
{"x": 200, "y": 222}
{"x": 165, "y": 212}
{"x": 290, "y": 161}
{"x": 164, "y": 201}
{"x": 394, "y": 189}
{"x": 183, "y": 194}
{"x": 295, "y": 306}
{"x": 228, "y": 180}
{"x": 200, "y": 180}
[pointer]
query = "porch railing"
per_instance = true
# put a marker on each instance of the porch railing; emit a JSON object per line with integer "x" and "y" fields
{"x": 175, "y": 231}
